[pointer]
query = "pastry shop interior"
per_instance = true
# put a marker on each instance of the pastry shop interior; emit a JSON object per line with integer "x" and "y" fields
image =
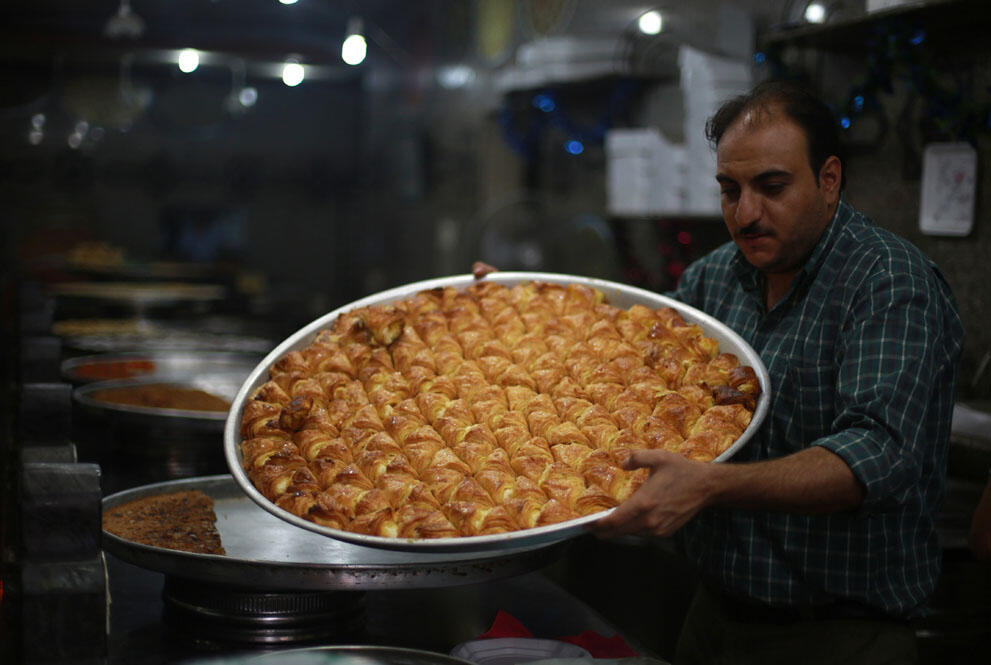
{"x": 215, "y": 210}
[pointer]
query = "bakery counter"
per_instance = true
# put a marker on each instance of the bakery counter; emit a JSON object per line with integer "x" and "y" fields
{"x": 146, "y": 628}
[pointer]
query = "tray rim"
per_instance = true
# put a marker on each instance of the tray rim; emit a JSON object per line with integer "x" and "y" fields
{"x": 81, "y": 395}
{"x": 534, "y": 536}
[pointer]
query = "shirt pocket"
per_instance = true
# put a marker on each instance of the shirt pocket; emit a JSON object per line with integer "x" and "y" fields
{"x": 804, "y": 406}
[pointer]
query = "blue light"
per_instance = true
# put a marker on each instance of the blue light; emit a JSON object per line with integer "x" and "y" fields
{"x": 918, "y": 37}
{"x": 845, "y": 122}
{"x": 574, "y": 147}
{"x": 858, "y": 103}
{"x": 760, "y": 57}
{"x": 544, "y": 103}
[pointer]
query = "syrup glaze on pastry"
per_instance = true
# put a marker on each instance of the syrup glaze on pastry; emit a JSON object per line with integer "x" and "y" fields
{"x": 486, "y": 410}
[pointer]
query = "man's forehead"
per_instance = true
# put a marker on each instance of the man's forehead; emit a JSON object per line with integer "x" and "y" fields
{"x": 760, "y": 119}
{"x": 761, "y": 143}
{"x": 759, "y": 115}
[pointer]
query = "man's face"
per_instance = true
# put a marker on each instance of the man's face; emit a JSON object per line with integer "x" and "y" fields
{"x": 773, "y": 206}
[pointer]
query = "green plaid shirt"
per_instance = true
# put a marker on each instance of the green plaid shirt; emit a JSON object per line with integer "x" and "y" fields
{"x": 862, "y": 353}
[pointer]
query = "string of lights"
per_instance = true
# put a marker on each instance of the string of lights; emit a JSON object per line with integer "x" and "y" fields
{"x": 524, "y": 131}
{"x": 898, "y": 51}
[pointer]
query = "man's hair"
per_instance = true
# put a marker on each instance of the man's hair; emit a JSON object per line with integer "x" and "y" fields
{"x": 803, "y": 107}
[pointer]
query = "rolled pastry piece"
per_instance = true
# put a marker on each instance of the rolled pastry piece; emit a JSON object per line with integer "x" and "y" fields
{"x": 257, "y": 452}
{"x": 414, "y": 520}
{"x": 560, "y": 481}
{"x": 376, "y": 523}
{"x": 384, "y": 322}
{"x": 261, "y": 419}
{"x": 477, "y": 519}
{"x": 593, "y": 500}
{"x": 316, "y": 444}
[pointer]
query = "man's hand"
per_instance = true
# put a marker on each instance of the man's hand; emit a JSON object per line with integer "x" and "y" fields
{"x": 811, "y": 481}
{"x": 480, "y": 269}
{"x": 675, "y": 491}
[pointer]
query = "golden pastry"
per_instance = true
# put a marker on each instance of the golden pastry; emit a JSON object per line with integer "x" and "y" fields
{"x": 486, "y": 410}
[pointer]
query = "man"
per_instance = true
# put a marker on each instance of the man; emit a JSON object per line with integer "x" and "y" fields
{"x": 816, "y": 543}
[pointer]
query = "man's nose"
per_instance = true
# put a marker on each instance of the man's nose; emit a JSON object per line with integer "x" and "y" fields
{"x": 748, "y": 208}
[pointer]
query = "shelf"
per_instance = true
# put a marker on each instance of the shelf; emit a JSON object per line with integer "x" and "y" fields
{"x": 943, "y": 20}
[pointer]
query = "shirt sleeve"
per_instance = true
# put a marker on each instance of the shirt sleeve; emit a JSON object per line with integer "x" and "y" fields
{"x": 897, "y": 348}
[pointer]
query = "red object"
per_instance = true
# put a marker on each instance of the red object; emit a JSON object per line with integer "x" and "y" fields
{"x": 506, "y": 625}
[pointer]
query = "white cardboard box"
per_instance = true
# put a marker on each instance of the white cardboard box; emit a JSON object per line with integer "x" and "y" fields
{"x": 644, "y": 172}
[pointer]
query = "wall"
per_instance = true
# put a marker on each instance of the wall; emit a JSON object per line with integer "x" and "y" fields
{"x": 935, "y": 91}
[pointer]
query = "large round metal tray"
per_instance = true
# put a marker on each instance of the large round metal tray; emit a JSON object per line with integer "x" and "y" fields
{"x": 221, "y": 384}
{"x": 620, "y": 295}
{"x": 265, "y": 552}
{"x": 178, "y": 365}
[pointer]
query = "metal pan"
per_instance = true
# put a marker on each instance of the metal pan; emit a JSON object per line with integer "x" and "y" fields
{"x": 268, "y": 553}
{"x": 178, "y": 365}
{"x": 143, "y": 336}
{"x": 220, "y": 384}
{"x": 340, "y": 655}
{"x": 135, "y": 445}
{"x": 140, "y": 293}
{"x": 620, "y": 295}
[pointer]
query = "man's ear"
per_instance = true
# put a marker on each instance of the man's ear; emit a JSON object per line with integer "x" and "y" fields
{"x": 831, "y": 178}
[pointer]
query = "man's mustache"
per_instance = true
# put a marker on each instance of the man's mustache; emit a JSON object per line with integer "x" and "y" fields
{"x": 751, "y": 231}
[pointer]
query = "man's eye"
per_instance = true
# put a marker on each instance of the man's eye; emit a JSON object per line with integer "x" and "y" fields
{"x": 730, "y": 192}
{"x": 774, "y": 187}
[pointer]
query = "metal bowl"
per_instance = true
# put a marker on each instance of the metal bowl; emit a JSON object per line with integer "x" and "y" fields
{"x": 620, "y": 295}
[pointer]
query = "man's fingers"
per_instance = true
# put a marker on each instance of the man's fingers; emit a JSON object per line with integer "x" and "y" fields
{"x": 480, "y": 269}
{"x": 641, "y": 459}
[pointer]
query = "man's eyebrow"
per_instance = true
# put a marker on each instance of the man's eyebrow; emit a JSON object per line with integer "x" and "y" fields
{"x": 772, "y": 173}
{"x": 724, "y": 179}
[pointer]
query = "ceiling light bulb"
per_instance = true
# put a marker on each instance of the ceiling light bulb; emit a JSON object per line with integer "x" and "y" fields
{"x": 651, "y": 23}
{"x": 292, "y": 73}
{"x": 189, "y": 60}
{"x": 354, "y": 49}
{"x": 815, "y": 12}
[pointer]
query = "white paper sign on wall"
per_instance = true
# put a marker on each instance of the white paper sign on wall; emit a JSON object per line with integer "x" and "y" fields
{"x": 949, "y": 189}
